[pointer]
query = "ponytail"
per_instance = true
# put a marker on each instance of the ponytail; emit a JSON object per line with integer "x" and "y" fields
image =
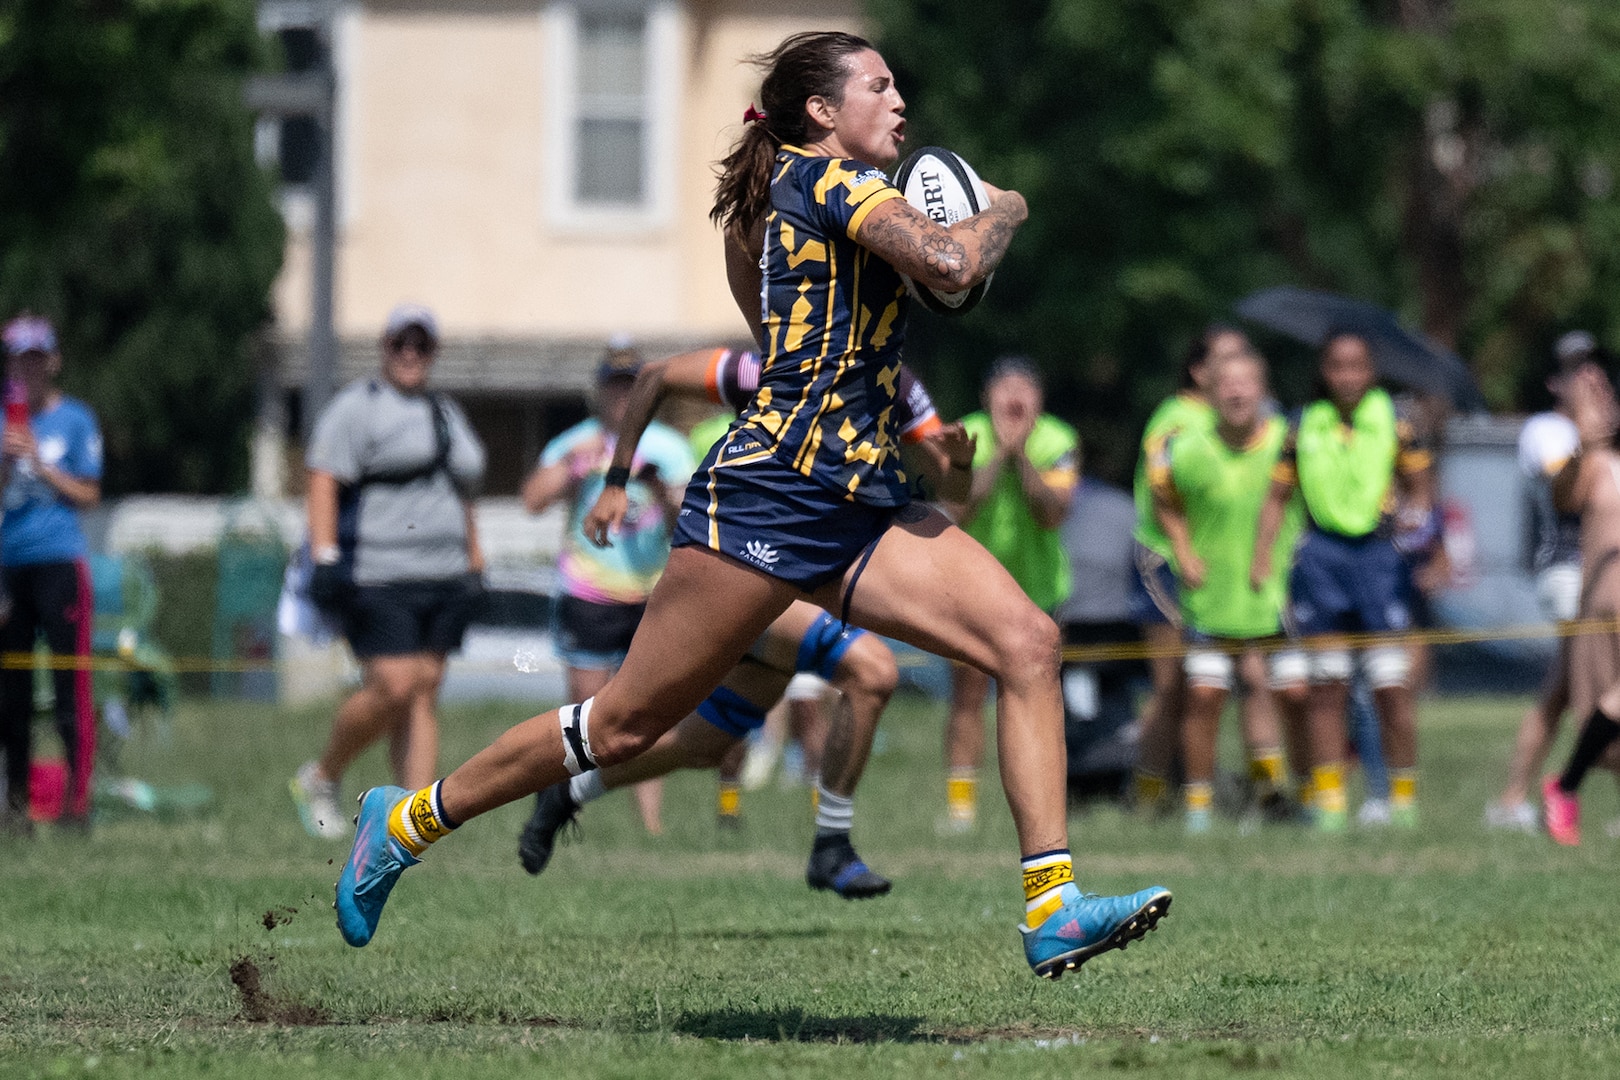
{"x": 805, "y": 65}
{"x": 743, "y": 193}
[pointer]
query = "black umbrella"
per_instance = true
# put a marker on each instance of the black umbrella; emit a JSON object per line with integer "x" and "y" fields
{"x": 1402, "y": 357}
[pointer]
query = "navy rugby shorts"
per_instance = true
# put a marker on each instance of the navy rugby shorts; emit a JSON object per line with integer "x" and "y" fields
{"x": 745, "y": 504}
{"x": 1348, "y": 584}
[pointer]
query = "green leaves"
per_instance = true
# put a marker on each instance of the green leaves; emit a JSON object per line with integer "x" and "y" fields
{"x": 133, "y": 214}
{"x": 1453, "y": 161}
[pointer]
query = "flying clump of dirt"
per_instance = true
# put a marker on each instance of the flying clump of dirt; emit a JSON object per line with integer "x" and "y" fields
{"x": 278, "y": 916}
{"x": 259, "y": 1006}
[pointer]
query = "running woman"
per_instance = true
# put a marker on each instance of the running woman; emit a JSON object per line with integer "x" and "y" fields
{"x": 805, "y": 499}
{"x": 802, "y": 640}
{"x": 1208, "y": 487}
{"x": 1349, "y": 455}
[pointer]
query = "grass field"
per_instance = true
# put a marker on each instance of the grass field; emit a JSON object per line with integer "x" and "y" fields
{"x": 1447, "y": 952}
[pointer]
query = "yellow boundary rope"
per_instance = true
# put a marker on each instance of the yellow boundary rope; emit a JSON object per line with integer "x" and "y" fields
{"x": 189, "y": 665}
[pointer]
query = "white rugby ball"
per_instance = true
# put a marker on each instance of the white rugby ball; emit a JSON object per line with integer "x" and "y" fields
{"x": 940, "y": 184}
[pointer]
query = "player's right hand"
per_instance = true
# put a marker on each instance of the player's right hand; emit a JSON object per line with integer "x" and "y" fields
{"x": 605, "y": 515}
{"x": 1192, "y": 571}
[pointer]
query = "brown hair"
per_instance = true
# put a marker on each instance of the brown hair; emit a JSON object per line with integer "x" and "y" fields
{"x": 805, "y": 65}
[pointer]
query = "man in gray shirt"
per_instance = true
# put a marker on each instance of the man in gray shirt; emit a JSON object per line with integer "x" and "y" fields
{"x": 393, "y": 470}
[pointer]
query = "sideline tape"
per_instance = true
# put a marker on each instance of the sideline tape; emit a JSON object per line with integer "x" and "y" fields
{"x": 189, "y": 665}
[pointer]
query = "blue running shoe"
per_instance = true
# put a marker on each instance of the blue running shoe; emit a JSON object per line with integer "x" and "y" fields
{"x": 1088, "y": 924}
{"x": 375, "y": 863}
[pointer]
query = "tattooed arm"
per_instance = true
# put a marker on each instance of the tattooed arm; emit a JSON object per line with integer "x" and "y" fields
{"x": 951, "y": 259}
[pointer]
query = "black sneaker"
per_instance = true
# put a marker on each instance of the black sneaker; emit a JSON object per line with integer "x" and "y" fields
{"x": 553, "y": 808}
{"x": 835, "y": 866}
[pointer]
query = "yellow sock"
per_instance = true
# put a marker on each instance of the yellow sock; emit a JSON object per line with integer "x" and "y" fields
{"x": 1150, "y": 789}
{"x": 1266, "y": 767}
{"x": 1328, "y": 782}
{"x": 1402, "y": 787}
{"x": 962, "y": 793}
{"x": 1307, "y": 793}
{"x": 1044, "y": 877}
{"x": 419, "y": 819}
{"x": 1200, "y": 796}
{"x": 729, "y": 800}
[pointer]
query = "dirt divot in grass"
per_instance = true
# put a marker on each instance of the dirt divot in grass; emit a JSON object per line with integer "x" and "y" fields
{"x": 259, "y": 1006}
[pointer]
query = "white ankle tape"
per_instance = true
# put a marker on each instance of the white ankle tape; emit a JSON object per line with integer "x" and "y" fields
{"x": 575, "y": 721}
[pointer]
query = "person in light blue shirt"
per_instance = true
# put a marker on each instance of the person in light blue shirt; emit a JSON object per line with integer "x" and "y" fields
{"x": 51, "y": 464}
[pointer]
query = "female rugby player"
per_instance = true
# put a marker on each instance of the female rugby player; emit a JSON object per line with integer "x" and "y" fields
{"x": 804, "y": 498}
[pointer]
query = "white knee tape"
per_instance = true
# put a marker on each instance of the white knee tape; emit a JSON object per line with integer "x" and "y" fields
{"x": 1208, "y": 668}
{"x": 1387, "y": 666}
{"x": 1331, "y": 665}
{"x": 1287, "y": 667}
{"x": 575, "y": 721}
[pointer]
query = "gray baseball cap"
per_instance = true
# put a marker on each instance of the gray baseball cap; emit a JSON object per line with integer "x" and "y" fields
{"x": 407, "y": 315}
{"x": 1573, "y": 346}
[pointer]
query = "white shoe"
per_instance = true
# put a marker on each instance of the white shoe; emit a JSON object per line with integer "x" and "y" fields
{"x": 317, "y": 802}
{"x": 1515, "y": 817}
{"x": 1374, "y": 814}
{"x": 759, "y": 763}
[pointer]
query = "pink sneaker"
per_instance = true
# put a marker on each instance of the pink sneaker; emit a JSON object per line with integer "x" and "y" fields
{"x": 1561, "y": 812}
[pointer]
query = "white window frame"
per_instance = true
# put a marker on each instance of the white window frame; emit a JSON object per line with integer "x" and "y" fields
{"x": 559, "y": 146}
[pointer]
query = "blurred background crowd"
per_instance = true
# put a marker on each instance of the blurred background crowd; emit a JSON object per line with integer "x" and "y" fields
{"x": 214, "y": 208}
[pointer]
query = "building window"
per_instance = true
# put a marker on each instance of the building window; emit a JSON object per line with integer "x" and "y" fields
{"x": 609, "y": 145}
{"x": 610, "y": 133}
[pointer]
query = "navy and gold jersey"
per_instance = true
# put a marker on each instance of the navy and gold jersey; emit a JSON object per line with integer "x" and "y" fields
{"x": 834, "y": 317}
{"x": 733, "y": 379}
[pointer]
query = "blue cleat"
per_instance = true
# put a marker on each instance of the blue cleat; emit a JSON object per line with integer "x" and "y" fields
{"x": 375, "y": 863}
{"x": 1088, "y": 924}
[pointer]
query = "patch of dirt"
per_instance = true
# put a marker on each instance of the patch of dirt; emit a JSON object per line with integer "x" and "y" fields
{"x": 259, "y": 1006}
{"x": 278, "y": 916}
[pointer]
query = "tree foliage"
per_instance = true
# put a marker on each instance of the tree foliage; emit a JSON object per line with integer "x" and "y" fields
{"x": 133, "y": 214}
{"x": 1449, "y": 159}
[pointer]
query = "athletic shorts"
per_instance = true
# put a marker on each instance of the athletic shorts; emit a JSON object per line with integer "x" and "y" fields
{"x": 1558, "y": 591}
{"x": 771, "y": 517}
{"x": 406, "y": 617}
{"x": 1155, "y": 598}
{"x": 593, "y": 636}
{"x": 1342, "y": 584}
{"x": 731, "y": 712}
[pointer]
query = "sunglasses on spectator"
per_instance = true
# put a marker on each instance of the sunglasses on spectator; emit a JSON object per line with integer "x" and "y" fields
{"x": 414, "y": 339}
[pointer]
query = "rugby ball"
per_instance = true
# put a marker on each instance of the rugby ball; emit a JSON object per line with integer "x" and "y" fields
{"x": 943, "y": 186}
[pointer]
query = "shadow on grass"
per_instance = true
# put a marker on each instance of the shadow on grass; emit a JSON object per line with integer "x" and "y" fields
{"x": 795, "y": 1025}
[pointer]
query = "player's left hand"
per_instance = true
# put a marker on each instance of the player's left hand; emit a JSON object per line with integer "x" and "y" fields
{"x": 605, "y": 515}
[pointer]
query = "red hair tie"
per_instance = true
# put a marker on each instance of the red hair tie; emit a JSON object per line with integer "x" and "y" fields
{"x": 752, "y": 114}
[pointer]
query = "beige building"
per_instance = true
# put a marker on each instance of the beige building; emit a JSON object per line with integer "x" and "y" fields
{"x": 539, "y": 172}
